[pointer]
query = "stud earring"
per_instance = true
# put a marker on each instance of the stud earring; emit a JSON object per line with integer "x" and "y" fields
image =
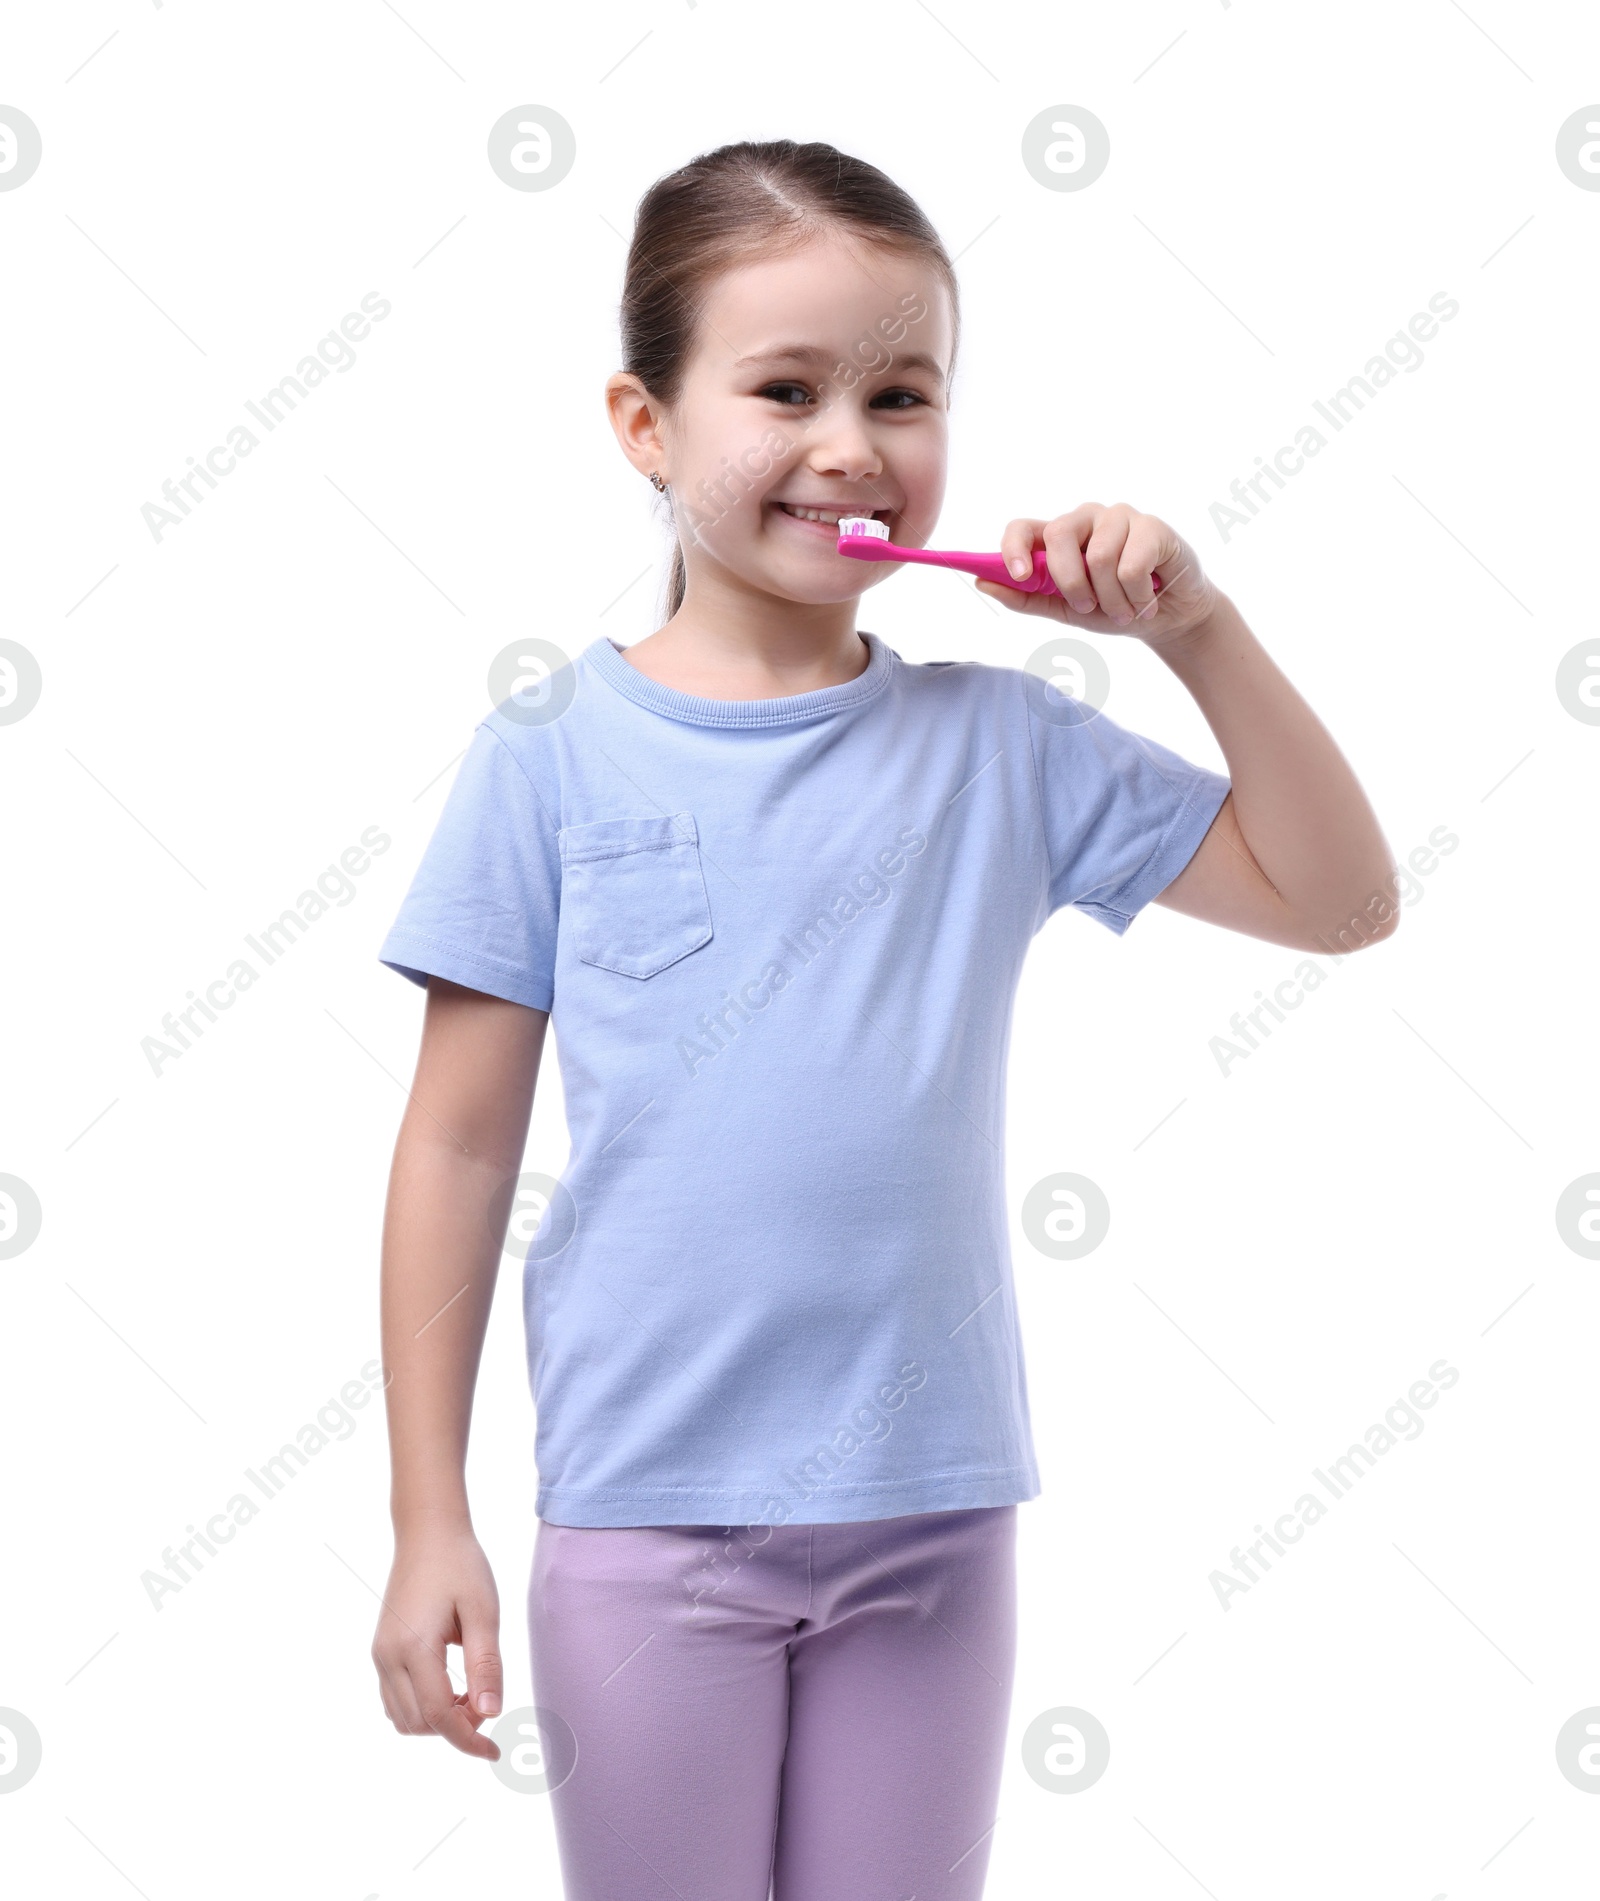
{"x": 660, "y": 486}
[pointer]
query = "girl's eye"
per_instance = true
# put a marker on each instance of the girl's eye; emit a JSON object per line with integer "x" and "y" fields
{"x": 785, "y": 394}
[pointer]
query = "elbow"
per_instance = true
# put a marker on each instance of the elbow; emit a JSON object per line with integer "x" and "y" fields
{"x": 1372, "y": 923}
{"x": 1381, "y": 932}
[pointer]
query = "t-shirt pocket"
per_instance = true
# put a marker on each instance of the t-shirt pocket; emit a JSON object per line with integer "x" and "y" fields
{"x": 634, "y": 892}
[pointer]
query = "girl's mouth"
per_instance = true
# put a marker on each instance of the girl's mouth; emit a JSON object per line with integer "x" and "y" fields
{"x": 823, "y": 521}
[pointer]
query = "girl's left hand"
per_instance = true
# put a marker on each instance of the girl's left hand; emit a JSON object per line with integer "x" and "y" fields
{"x": 1102, "y": 559}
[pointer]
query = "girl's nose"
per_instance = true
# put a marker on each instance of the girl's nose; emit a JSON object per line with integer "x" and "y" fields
{"x": 840, "y": 446}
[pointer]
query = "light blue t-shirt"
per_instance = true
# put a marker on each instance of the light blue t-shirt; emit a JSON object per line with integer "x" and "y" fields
{"x": 779, "y": 941}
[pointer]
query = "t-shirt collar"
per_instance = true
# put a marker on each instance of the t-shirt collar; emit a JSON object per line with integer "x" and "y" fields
{"x": 785, "y": 710}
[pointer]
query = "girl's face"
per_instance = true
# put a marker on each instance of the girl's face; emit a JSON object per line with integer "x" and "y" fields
{"x": 818, "y": 383}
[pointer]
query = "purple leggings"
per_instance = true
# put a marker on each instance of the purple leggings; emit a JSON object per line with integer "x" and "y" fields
{"x": 821, "y": 1708}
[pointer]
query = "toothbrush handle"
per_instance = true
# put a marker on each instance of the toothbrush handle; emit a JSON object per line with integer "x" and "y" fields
{"x": 987, "y": 567}
{"x": 992, "y": 567}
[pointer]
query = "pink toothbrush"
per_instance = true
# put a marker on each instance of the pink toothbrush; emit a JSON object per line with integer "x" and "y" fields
{"x": 864, "y": 539}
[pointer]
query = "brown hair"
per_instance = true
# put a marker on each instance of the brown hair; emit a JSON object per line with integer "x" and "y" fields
{"x": 732, "y": 205}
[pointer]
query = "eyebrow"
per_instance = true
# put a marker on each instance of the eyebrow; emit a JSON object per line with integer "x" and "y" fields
{"x": 808, "y": 353}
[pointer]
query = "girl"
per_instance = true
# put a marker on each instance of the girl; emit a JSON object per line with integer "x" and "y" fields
{"x": 775, "y": 887}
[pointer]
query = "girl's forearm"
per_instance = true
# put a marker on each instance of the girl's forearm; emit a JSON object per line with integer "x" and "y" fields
{"x": 1299, "y": 806}
{"x": 440, "y": 1257}
{"x": 455, "y": 1168}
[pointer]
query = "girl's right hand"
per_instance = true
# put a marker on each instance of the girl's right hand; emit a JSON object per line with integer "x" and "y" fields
{"x": 441, "y": 1591}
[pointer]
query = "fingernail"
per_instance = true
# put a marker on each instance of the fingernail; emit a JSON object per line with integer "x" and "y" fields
{"x": 489, "y": 1703}
{"x": 1018, "y": 565}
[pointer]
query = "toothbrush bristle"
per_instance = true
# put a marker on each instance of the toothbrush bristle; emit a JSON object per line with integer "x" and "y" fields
{"x": 863, "y": 525}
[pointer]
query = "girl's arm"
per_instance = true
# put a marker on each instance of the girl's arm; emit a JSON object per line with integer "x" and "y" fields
{"x": 1295, "y": 854}
{"x": 459, "y": 1150}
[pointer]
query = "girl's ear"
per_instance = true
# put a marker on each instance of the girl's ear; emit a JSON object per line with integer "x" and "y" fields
{"x": 635, "y": 421}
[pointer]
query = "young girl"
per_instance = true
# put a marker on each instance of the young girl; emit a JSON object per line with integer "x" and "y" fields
{"x": 775, "y": 887}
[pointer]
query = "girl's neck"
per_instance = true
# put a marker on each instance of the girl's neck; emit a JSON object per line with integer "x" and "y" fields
{"x": 746, "y": 655}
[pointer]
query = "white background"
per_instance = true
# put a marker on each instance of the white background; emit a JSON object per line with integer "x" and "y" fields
{"x": 225, "y": 711}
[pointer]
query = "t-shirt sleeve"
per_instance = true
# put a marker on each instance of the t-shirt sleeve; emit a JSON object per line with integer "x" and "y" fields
{"x": 1122, "y": 814}
{"x": 483, "y": 907}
